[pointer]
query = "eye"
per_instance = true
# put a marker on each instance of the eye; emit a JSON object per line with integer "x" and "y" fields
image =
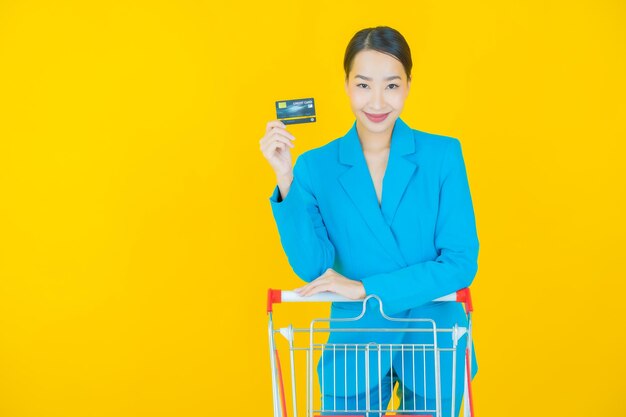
{"x": 362, "y": 84}
{"x": 393, "y": 86}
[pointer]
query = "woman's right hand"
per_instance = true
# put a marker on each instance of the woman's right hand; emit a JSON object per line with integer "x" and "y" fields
{"x": 276, "y": 145}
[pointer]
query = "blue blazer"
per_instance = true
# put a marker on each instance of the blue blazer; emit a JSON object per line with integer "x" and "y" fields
{"x": 419, "y": 244}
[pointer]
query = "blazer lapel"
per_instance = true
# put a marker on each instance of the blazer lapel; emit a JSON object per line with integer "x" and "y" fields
{"x": 399, "y": 169}
{"x": 357, "y": 183}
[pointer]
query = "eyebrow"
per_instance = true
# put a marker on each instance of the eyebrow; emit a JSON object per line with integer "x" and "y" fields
{"x": 393, "y": 77}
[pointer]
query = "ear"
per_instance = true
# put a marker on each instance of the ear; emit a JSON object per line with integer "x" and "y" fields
{"x": 345, "y": 85}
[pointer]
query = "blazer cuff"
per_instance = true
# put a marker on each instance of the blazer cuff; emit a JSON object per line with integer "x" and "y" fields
{"x": 276, "y": 197}
{"x": 283, "y": 205}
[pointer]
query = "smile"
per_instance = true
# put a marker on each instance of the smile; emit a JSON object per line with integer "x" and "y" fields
{"x": 376, "y": 118}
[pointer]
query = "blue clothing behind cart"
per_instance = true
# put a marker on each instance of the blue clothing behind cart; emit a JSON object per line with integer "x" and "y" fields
{"x": 418, "y": 245}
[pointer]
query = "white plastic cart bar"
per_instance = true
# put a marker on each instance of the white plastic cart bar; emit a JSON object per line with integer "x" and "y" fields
{"x": 281, "y": 296}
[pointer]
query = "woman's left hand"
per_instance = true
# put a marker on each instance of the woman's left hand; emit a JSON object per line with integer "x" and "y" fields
{"x": 334, "y": 282}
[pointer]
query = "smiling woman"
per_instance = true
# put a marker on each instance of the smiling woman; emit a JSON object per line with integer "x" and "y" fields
{"x": 377, "y": 85}
{"x": 373, "y": 59}
{"x": 384, "y": 210}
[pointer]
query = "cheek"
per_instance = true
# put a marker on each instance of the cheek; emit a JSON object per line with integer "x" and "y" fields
{"x": 397, "y": 99}
{"x": 358, "y": 99}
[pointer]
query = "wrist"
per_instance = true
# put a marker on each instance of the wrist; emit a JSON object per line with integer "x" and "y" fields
{"x": 284, "y": 178}
{"x": 360, "y": 292}
{"x": 284, "y": 181}
{"x": 284, "y": 185}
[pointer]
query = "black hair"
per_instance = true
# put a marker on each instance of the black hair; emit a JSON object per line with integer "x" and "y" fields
{"x": 382, "y": 39}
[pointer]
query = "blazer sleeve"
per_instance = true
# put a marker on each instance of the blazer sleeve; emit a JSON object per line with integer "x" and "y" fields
{"x": 455, "y": 240}
{"x": 302, "y": 231}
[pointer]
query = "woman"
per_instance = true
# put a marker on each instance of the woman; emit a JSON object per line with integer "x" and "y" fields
{"x": 384, "y": 210}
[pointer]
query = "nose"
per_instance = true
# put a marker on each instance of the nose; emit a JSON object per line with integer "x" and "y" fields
{"x": 377, "y": 100}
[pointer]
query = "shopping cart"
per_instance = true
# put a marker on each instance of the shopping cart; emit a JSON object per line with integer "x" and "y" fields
{"x": 305, "y": 346}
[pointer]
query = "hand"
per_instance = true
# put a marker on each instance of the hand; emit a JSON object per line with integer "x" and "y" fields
{"x": 276, "y": 145}
{"x": 334, "y": 282}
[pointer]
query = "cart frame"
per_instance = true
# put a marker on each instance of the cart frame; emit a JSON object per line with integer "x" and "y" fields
{"x": 289, "y": 332}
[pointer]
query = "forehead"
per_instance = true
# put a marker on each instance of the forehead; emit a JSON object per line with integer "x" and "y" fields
{"x": 376, "y": 65}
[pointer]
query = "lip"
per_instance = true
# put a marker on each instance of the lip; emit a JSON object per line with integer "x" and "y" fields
{"x": 376, "y": 118}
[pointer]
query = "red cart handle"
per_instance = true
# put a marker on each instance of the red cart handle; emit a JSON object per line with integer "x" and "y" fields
{"x": 273, "y": 296}
{"x": 465, "y": 296}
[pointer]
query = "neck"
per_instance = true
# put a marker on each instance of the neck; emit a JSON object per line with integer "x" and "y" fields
{"x": 373, "y": 142}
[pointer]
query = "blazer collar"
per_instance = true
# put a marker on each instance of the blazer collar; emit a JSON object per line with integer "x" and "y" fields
{"x": 357, "y": 182}
{"x": 351, "y": 151}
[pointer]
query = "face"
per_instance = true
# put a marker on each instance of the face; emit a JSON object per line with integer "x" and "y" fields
{"x": 377, "y": 87}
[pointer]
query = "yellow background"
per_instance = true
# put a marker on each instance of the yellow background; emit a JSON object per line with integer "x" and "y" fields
{"x": 137, "y": 240}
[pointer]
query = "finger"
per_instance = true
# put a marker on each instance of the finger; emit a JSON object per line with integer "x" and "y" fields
{"x": 280, "y": 131}
{"x": 302, "y": 289}
{"x": 311, "y": 284}
{"x": 274, "y": 123}
{"x": 276, "y": 131}
{"x": 314, "y": 285}
{"x": 281, "y": 146}
{"x": 283, "y": 139}
{"x": 270, "y": 148}
{"x": 318, "y": 289}
{"x": 266, "y": 142}
{"x": 308, "y": 283}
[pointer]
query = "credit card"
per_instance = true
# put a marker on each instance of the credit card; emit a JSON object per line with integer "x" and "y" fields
{"x": 300, "y": 110}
